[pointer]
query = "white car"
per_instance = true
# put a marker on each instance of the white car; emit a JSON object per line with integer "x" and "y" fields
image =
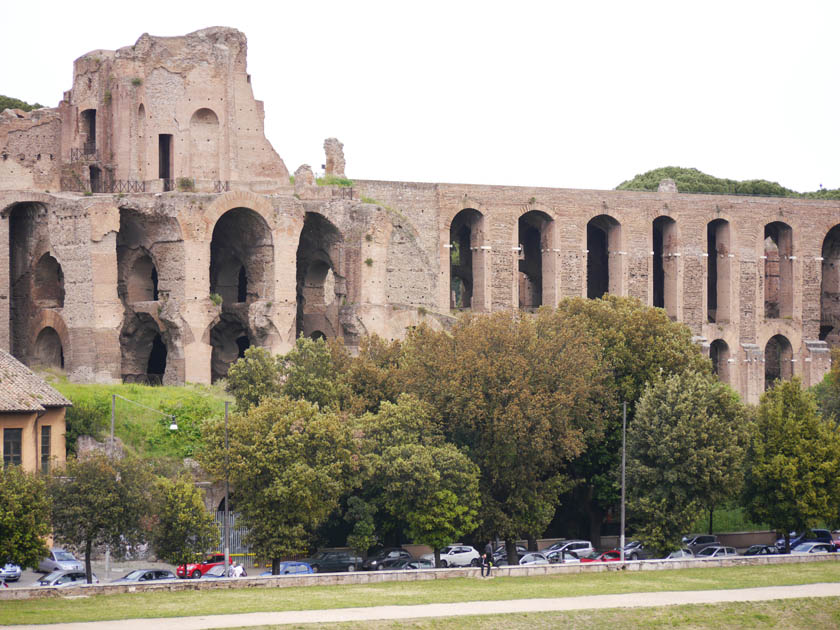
{"x": 715, "y": 551}
{"x": 455, "y": 556}
{"x": 565, "y": 557}
{"x": 580, "y": 548}
{"x": 60, "y": 560}
{"x": 812, "y": 547}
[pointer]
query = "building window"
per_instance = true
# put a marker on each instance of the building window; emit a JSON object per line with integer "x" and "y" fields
{"x": 45, "y": 448}
{"x": 12, "y": 447}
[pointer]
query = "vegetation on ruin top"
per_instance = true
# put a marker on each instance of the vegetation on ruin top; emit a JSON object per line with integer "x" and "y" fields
{"x": 333, "y": 180}
{"x": 7, "y": 102}
{"x": 690, "y": 180}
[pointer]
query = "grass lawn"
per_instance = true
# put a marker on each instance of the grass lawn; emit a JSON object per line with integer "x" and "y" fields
{"x": 806, "y": 614}
{"x": 240, "y": 600}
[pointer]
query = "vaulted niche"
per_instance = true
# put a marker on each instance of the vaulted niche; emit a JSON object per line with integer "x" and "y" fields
{"x": 241, "y": 258}
{"x": 229, "y": 339}
{"x": 321, "y": 286}
{"x": 88, "y": 130}
{"x": 830, "y": 288}
{"x": 665, "y": 265}
{"x": 718, "y": 276}
{"x": 48, "y": 351}
{"x": 137, "y": 275}
{"x": 719, "y": 354}
{"x": 535, "y": 260}
{"x": 204, "y": 144}
{"x": 778, "y": 271}
{"x": 778, "y": 365}
{"x": 48, "y": 285}
{"x": 466, "y": 269}
{"x": 28, "y": 228}
{"x": 144, "y": 351}
{"x": 603, "y": 260}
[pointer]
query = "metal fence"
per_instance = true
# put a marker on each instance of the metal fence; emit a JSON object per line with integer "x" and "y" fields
{"x": 127, "y": 186}
{"x": 85, "y": 153}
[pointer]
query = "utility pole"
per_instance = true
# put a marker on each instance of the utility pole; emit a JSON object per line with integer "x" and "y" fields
{"x": 623, "y": 466}
{"x": 227, "y": 493}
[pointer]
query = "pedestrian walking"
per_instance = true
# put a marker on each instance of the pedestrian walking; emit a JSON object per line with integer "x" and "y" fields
{"x": 487, "y": 559}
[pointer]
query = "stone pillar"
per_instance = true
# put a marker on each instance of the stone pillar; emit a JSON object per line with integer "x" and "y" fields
{"x": 816, "y": 362}
{"x": 5, "y": 285}
{"x": 198, "y": 312}
{"x": 107, "y": 311}
{"x": 752, "y": 373}
{"x": 335, "y": 157}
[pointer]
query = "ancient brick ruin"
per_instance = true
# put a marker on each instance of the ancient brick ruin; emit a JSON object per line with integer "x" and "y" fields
{"x": 154, "y": 234}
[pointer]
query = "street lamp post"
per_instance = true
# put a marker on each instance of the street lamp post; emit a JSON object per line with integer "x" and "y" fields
{"x": 623, "y": 466}
{"x": 227, "y": 492}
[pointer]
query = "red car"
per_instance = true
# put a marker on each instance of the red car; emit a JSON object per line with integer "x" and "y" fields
{"x": 196, "y": 570}
{"x": 613, "y": 555}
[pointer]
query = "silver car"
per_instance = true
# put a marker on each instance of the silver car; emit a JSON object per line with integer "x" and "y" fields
{"x": 60, "y": 560}
{"x": 67, "y": 578}
{"x": 9, "y": 573}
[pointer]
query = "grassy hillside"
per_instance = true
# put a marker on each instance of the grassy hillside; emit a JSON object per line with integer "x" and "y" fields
{"x": 140, "y": 428}
{"x": 690, "y": 180}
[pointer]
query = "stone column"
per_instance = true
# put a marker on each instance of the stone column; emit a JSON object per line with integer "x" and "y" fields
{"x": 5, "y": 286}
{"x": 751, "y": 370}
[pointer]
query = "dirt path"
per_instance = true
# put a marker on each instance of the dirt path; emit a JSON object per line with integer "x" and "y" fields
{"x": 627, "y": 600}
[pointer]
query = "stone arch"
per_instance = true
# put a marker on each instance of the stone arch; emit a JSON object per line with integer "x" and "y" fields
{"x": 204, "y": 144}
{"x": 778, "y": 270}
{"x": 321, "y": 283}
{"x": 48, "y": 350}
{"x": 138, "y": 274}
{"x": 535, "y": 238}
{"x": 144, "y": 349}
{"x": 141, "y": 278}
{"x": 719, "y": 355}
{"x": 229, "y": 338}
{"x": 830, "y": 288}
{"x": 603, "y": 258}
{"x": 665, "y": 265}
{"x": 778, "y": 360}
{"x": 466, "y": 260}
{"x": 48, "y": 283}
{"x": 51, "y": 320}
{"x": 241, "y": 239}
{"x": 718, "y": 271}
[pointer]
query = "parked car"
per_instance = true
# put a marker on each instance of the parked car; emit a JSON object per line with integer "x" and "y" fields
{"x": 10, "y": 573}
{"x": 375, "y": 562}
{"x": 67, "y": 578}
{"x": 533, "y": 557}
{"x": 291, "y": 568}
{"x": 500, "y": 557}
{"x": 614, "y": 555}
{"x": 197, "y": 569}
{"x": 60, "y": 560}
{"x": 835, "y": 536}
{"x": 810, "y": 535}
{"x": 762, "y": 550}
{"x": 405, "y": 564}
{"x": 635, "y": 550}
{"x": 579, "y": 547}
{"x": 813, "y": 547}
{"x": 216, "y": 572}
{"x": 696, "y": 542}
{"x": 560, "y": 556}
{"x": 715, "y": 551}
{"x": 455, "y": 556}
{"x": 146, "y": 575}
{"x": 333, "y": 562}
{"x": 685, "y": 552}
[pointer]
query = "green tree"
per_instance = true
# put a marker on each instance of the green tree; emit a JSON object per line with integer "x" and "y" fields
{"x": 312, "y": 371}
{"x": 827, "y": 391}
{"x": 88, "y": 416}
{"x": 373, "y": 375}
{"x": 24, "y": 506}
{"x": 253, "y": 378}
{"x": 637, "y": 345}
{"x": 685, "y": 452}
{"x": 361, "y": 515}
{"x": 181, "y": 526}
{"x": 99, "y": 501}
{"x": 290, "y": 463}
{"x": 793, "y": 463}
{"x": 520, "y": 395}
{"x": 7, "y": 102}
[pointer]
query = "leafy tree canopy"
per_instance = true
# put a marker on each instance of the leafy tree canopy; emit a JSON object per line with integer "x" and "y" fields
{"x": 181, "y": 526}
{"x": 827, "y": 391}
{"x": 793, "y": 463}
{"x": 253, "y": 378}
{"x": 7, "y": 102}
{"x": 24, "y": 522}
{"x": 690, "y": 180}
{"x": 312, "y": 371}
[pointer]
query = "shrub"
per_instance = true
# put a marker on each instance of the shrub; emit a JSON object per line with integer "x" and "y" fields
{"x": 332, "y": 180}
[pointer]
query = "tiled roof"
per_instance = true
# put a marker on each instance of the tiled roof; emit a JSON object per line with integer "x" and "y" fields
{"x": 22, "y": 390}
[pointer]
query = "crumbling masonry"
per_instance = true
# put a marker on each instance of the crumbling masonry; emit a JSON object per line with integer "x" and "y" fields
{"x": 154, "y": 234}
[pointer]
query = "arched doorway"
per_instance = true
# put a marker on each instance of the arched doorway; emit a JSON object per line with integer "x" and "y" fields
{"x": 719, "y": 355}
{"x": 603, "y": 262}
{"x": 48, "y": 350}
{"x": 321, "y": 286}
{"x": 718, "y": 266}
{"x": 241, "y": 258}
{"x": 466, "y": 258}
{"x": 830, "y": 288}
{"x": 48, "y": 285}
{"x": 204, "y": 144}
{"x": 144, "y": 351}
{"x": 778, "y": 360}
{"x": 778, "y": 270}
{"x": 535, "y": 260}
{"x": 665, "y": 265}
{"x": 229, "y": 339}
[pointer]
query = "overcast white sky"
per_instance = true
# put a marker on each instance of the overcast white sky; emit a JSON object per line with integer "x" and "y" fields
{"x": 581, "y": 94}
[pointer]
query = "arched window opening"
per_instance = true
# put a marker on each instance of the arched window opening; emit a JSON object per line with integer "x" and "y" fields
{"x": 156, "y": 367}
{"x": 48, "y": 350}
{"x": 778, "y": 360}
{"x": 48, "y": 287}
{"x": 141, "y": 281}
{"x": 241, "y": 257}
{"x": 204, "y": 144}
{"x": 665, "y": 265}
{"x": 229, "y": 340}
{"x": 719, "y": 354}
{"x": 144, "y": 351}
{"x": 466, "y": 269}
{"x": 88, "y": 131}
{"x": 535, "y": 269}
{"x": 317, "y": 334}
{"x": 718, "y": 267}
{"x": 321, "y": 288}
{"x": 830, "y": 288}
{"x": 603, "y": 264}
{"x": 778, "y": 271}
